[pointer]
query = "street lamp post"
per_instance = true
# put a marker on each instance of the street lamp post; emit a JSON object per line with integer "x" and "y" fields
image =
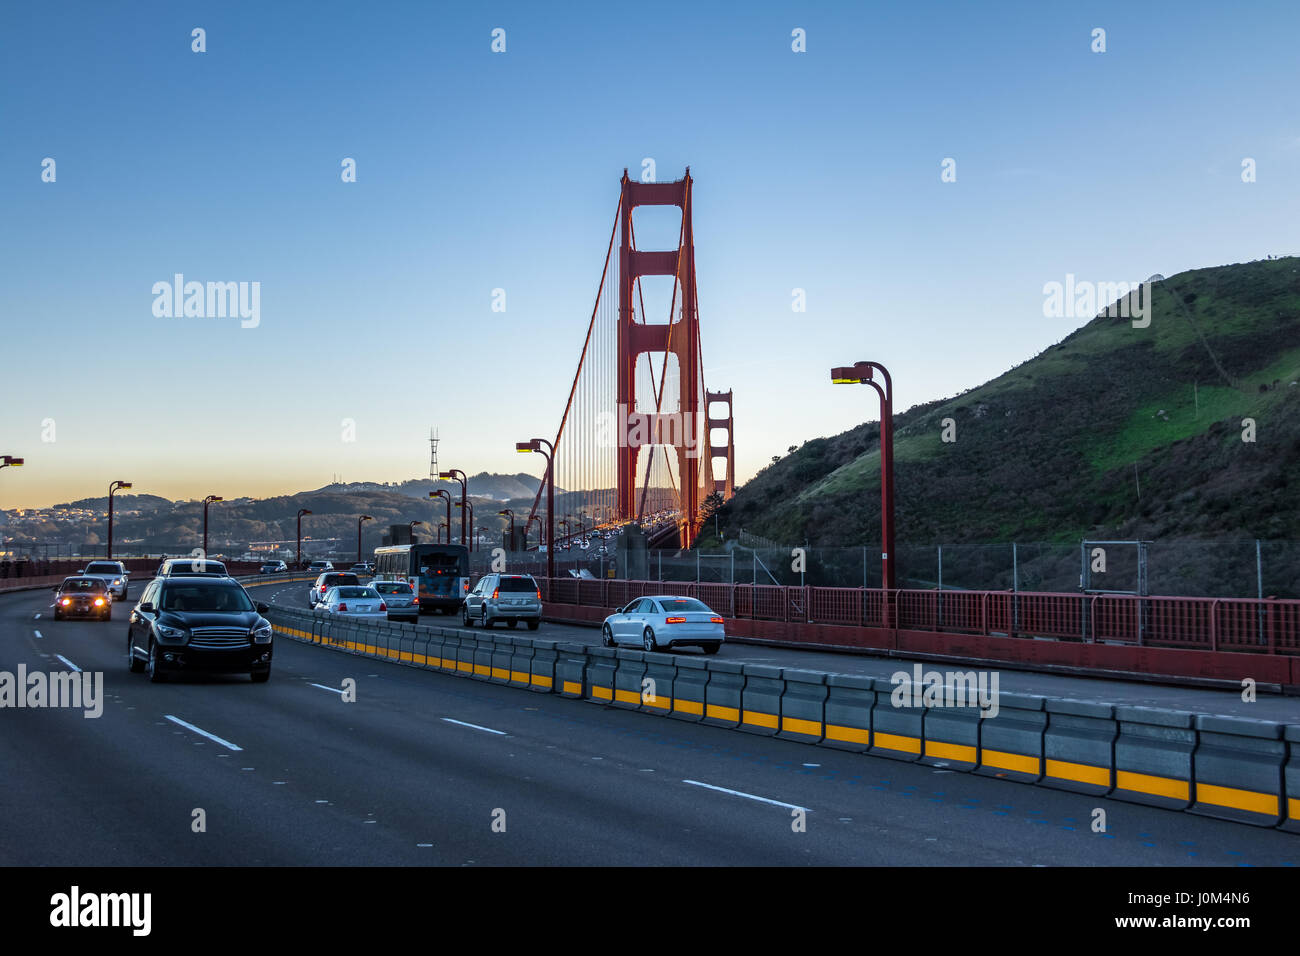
{"x": 115, "y": 486}
{"x": 467, "y": 507}
{"x": 536, "y": 445}
{"x": 441, "y": 526}
{"x": 359, "y": 521}
{"x": 301, "y": 512}
{"x": 411, "y": 530}
{"x": 207, "y": 501}
{"x": 446, "y": 496}
{"x": 511, "y": 515}
{"x": 528, "y": 524}
{"x": 861, "y": 373}
{"x": 452, "y": 476}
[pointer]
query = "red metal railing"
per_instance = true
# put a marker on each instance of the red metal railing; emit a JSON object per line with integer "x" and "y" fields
{"x": 1228, "y": 624}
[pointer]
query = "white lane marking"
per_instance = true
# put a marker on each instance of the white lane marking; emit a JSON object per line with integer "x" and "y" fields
{"x": 476, "y": 726}
{"x": 39, "y": 634}
{"x": 747, "y": 796}
{"x": 199, "y": 730}
{"x": 37, "y": 617}
{"x": 68, "y": 662}
{"x": 323, "y": 687}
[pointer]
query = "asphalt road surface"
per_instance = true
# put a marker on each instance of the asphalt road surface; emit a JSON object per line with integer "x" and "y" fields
{"x": 426, "y": 768}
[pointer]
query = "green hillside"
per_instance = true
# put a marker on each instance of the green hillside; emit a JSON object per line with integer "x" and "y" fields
{"x": 1056, "y": 448}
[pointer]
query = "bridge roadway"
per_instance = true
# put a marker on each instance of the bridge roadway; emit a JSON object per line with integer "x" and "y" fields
{"x": 411, "y": 773}
{"x": 1266, "y": 706}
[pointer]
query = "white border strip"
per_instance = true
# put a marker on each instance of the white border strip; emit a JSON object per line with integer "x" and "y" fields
{"x": 747, "y": 796}
{"x": 202, "y": 732}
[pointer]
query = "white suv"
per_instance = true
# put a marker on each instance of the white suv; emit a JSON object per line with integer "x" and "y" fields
{"x": 504, "y": 597}
{"x": 112, "y": 573}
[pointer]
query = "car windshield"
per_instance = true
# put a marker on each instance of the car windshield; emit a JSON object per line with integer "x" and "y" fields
{"x": 204, "y": 596}
{"x": 100, "y": 567}
{"x": 393, "y": 587}
{"x": 334, "y": 580}
{"x": 83, "y": 584}
{"x": 683, "y": 604}
{"x": 517, "y": 584}
{"x": 356, "y": 593}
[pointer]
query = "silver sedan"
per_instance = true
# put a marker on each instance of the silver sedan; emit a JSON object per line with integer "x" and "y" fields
{"x": 399, "y": 597}
{"x": 663, "y": 622}
{"x": 353, "y": 601}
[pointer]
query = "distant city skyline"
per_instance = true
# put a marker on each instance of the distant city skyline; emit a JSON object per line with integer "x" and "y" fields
{"x": 913, "y": 176}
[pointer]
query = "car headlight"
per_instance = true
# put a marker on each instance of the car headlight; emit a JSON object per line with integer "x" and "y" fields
{"x": 262, "y": 634}
{"x": 117, "y": 581}
{"x": 170, "y": 633}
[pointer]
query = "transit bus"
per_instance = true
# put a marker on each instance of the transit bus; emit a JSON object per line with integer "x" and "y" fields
{"x": 438, "y": 573}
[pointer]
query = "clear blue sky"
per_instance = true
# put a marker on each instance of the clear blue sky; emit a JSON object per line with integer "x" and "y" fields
{"x": 816, "y": 170}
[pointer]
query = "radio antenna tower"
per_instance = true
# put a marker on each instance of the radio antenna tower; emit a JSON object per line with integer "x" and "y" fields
{"x": 433, "y": 454}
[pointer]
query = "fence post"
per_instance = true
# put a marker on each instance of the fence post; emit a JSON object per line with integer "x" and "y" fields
{"x": 1259, "y": 590}
{"x": 940, "y": 547}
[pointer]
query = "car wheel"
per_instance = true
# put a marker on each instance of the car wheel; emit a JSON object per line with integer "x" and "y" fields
{"x": 711, "y": 648}
{"x": 469, "y": 621}
{"x": 57, "y": 615}
{"x": 648, "y": 640}
{"x": 134, "y": 663}
{"x": 487, "y": 621}
{"x": 156, "y": 675}
{"x": 534, "y": 625}
{"x": 607, "y": 636}
{"x": 512, "y": 623}
{"x": 260, "y": 677}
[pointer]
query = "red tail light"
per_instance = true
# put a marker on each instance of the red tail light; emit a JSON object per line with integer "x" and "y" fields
{"x": 342, "y": 606}
{"x": 717, "y": 620}
{"x": 674, "y": 620}
{"x": 539, "y": 594}
{"x": 383, "y": 606}
{"x": 496, "y": 594}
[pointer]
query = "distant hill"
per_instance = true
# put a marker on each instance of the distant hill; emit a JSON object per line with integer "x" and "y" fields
{"x": 1058, "y": 447}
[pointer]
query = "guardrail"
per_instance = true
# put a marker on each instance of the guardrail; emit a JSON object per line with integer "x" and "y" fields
{"x": 1245, "y": 625}
{"x": 1232, "y": 768}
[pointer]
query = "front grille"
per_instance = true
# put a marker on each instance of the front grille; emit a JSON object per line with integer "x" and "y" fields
{"x": 219, "y": 638}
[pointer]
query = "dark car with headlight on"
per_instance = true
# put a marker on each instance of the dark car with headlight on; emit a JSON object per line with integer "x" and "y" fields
{"x": 198, "y": 624}
{"x": 83, "y": 597}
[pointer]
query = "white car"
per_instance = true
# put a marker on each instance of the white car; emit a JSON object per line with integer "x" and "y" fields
{"x": 399, "y": 597}
{"x": 112, "y": 573}
{"x": 354, "y": 601}
{"x": 663, "y": 622}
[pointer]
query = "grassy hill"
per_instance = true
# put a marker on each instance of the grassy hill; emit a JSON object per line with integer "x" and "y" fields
{"x": 1057, "y": 448}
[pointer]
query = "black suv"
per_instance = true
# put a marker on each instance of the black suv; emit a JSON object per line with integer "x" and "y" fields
{"x": 198, "y": 624}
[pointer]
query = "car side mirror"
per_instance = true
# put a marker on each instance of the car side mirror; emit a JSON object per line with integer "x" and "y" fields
{"x": 147, "y": 607}
{"x": 56, "y": 589}
{"x": 262, "y": 607}
{"x": 82, "y": 571}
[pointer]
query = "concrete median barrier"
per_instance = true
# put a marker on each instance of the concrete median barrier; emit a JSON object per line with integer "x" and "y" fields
{"x": 503, "y": 651}
{"x": 1011, "y": 743}
{"x": 542, "y": 673}
{"x": 722, "y": 696}
{"x": 521, "y": 662}
{"x": 690, "y": 687}
{"x": 897, "y": 721}
{"x": 1237, "y": 769}
{"x": 1153, "y": 756}
{"x": 629, "y": 669}
{"x": 1079, "y": 746}
{"x": 450, "y": 652}
{"x": 803, "y": 705}
{"x": 602, "y": 663}
{"x": 850, "y": 700}
{"x": 486, "y": 644}
{"x": 951, "y": 734}
{"x": 760, "y": 701}
{"x": 434, "y": 642}
{"x": 1291, "y": 778}
{"x": 465, "y": 652}
{"x": 571, "y": 670}
{"x": 657, "y": 684}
